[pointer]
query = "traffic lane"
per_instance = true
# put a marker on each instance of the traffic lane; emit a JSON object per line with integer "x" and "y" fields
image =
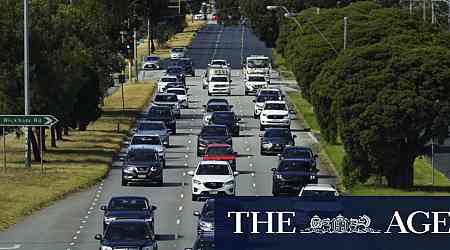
{"x": 203, "y": 45}
{"x": 253, "y": 45}
{"x": 230, "y": 46}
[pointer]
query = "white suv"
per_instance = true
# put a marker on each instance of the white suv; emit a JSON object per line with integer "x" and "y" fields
{"x": 260, "y": 100}
{"x": 255, "y": 82}
{"x": 275, "y": 114}
{"x": 163, "y": 81}
{"x": 319, "y": 191}
{"x": 219, "y": 85}
{"x": 213, "y": 178}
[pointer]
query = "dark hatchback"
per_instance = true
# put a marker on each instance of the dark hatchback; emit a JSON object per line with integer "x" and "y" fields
{"x": 165, "y": 114}
{"x": 212, "y": 134}
{"x": 291, "y": 175}
{"x": 299, "y": 153}
{"x": 275, "y": 140}
{"x": 186, "y": 64}
{"x": 142, "y": 165}
{"x": 227, "y": 118}
{"x": 203, "y": 243}
{"x": 128, "y": 207}
{"x": 177, "y": 71}
{"x": 130, "y": 234}
{"x": 206, "y": 223}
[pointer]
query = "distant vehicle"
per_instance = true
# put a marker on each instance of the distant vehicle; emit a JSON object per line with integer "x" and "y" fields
{"x": 291, "y": 175}
{"x": 213, "y": 106}
{"x": 172, "y": 85}
{"x": 168, "y": 100}
{"x": 299, "y": 153}
{"x": 154, "y": 127}
{"x": 164, "y": 114}
{"x": 274, "y": 114}
{"x": 275, "y": 140}
{"x": 255, "y": 82}
{"x": 227, "y": 118}
{"x": 219, "y": 100}
{"x": 212, "y": 178}
{"x": 219, "y": 84}
{"x": 257, "y": 64}
{"x": 188, "y": 66}
{"x": 181, "y": 95}
{"x": 177, "y": 52}
{"x": 215, "y": 17}
{"x": 178, "y": 72}
{"x": 221, "y": 152}
{"x": 151, "y": 63}
{"x": 259, "y": 101}
{"x": 146, "y": 141}
{"x": 128, "y": 207}
{"x": 221, "y": 63}
{"x": 199, "y": 17}
{"x": 134, "y": 234}
{"x": 214, "y": 70}
{"x": 166, "y": 79}
{"x": 206, "y": 220}
{"x": 204, "y": 243}
{"x": 270, "y": 91}
{"x": 142, "y": 165}
{"x": 319, "y": 192}
{"x": 212, "y": 134}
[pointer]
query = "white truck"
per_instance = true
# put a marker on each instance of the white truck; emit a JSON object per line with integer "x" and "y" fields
{"x": 214, "y": 71}
{"x": 257, "y": 64}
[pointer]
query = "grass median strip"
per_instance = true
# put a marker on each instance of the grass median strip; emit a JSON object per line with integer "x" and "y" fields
{"x": 82, "y": 159}
{"x": 336, "y": 153}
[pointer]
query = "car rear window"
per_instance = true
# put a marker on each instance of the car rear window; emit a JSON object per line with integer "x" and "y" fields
{"x": 219, "y": 79}
{"x": 146, "y": 140}
{"x": 213, "y": 169}
{"x": 128, "y": 204}
{"x": 213, "y": 130}
{"x": 166, "y": 98}
{"x": 219, "y": 151}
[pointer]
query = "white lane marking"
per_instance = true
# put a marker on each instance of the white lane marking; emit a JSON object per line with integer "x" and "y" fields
{"x": 249, "y": 157}
{"x": 185, "y": 164}
{"x": 188, "y": 148}
{"x": 181, "y": 196}
{"x": 313, "y": 137}
{"x": 252, "y": 174}
{"x": 180, "y": 208}
{"x": 251, "y": 164}
{"x": 72, "y": 243}
{"x": 254, "y": 185}
{"x": 16, "y": 246}
{"x": 186, "y": 156}
{"x": 178, "y": 221}
{"x": 189, "y": 141}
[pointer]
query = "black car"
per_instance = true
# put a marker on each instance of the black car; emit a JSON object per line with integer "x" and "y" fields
{"x": 206, "y": 223}
{"x": 227, "y": 118}
{"x": 177, "y": 71}
{"x": 128, "y": 234}
{"x": 128, "y": 207}
{"x": 275, "y": 140}
{"x": 212, "y": 134}
{"x": 142, "y": 165}
{"x": 165, "y": 114}
{"x": 299, "y": 153}
{"x": 291, "y": 175}
{"x": 203, "y": 243}
{"x": 187, "y": 65}
{"x": 219, "y": 100}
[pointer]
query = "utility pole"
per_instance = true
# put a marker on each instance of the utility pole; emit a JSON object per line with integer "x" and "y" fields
{"x": 345, "y": 32}
{"x": 432, "y": 161}
{"x": 424, "y": 12}
{"x": 433, "y": 17}
{"x": 448, "y": 20}
{"x": 179, "y": 7}
{"x": 26, "y": 80}
{"x": 135, "y": 55}
{"x": 410, "y": 7}
{"x": 318, "y": 11}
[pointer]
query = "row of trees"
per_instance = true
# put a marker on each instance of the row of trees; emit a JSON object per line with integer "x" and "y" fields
{"x": 385, "y": 96}
{"x": 74, "y": 50}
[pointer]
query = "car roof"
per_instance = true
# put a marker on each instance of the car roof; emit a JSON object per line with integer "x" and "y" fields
{"x": 219, "y": 145}
{"x": 271, "y": 89}
{"x": 223, "y": 112}
{"x": 129, "y": 197}
{"x": 169, "y": 94}
{"x": 174, "y": 89}
{"x": 260, "y": 75}
{"x": 274, "y": 129}
{"x": 214, "y": 125}
{"x": 145, "y": 134}
{"x": 213, "y": 162}
{"x": 151, "y": 122}
{"x": 276, "y": 102}
{"x": 320, "y": 187}
{"x": 218, "y": 100}
{"x": 217, "y": 104}
{"x": 128, "y": 221}
{"x": 298, "y": 148}
{"x": 168, "y": 76}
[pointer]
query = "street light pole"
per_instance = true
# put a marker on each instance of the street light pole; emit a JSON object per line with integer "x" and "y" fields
{"x": 345, "y": 33}
{"x": 26, "y": 63}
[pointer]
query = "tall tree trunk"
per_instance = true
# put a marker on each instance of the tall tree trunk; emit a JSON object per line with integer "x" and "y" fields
{"x": 35, "y": 147}
{"x": 66, "y": 131}
{"x": 53, "y": 137}
{"x": 59, "y": 135}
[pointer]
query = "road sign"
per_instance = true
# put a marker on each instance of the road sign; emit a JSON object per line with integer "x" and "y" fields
{"x": 27, "y": 120}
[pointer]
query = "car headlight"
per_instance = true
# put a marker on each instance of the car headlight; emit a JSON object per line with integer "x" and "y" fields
{"x": 196, "y": 182}
{"x": 286, "y": 117}
{"x": 279, "y": 177}
{"x": 106, "y": 248}
{"x": 129, "y": 170}
{"x": 109, "y": 219}
{"x": 148, "y": 220}
{"x": 153, "y": 169}
{"x": 312, "y": 177}
{"x": 206, "y": 226}
{"x": 207, "y": 118}
{"x": 229, "y": 182}
{"x": 267, "y": 145}
{"x": 263, "y": 114}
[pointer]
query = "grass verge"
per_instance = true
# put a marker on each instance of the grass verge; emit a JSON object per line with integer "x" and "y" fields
{"x": 332, "y": 156}
{"x": 281, "y": 65}
{"x": 79, "y": 161}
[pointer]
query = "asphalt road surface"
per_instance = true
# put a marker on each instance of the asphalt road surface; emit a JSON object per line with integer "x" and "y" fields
{"x": 73, "y": 222}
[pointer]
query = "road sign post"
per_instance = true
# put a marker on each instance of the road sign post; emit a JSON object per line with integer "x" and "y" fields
{"x": 27, "y": 121}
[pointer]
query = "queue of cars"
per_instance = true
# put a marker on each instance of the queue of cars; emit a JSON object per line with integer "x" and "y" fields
{"x": 216, "y": 174}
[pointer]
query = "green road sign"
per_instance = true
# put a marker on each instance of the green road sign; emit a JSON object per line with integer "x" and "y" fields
{"x": 27, "y": 120}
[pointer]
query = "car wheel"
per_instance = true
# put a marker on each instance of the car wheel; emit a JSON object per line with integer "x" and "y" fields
{"x": 199, "y": 153}
{"x": 255, "y": 116}
{"x": 174, "y": 131}
{"x": 275, "y": 191}
{"x": 160, "y": 182}
{"x": 164, "y": 163}
{"x": 261, "y": 127}
{"x": 262, "y": 152}
{"x": 194, "y": 197}
{"x": 246, "y": 93}
{"x": 124, "y": 183}
{"x": 209, "y": 94}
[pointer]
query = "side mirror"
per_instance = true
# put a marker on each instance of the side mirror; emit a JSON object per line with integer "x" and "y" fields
{"x": 103, "y": 208}
{"x": 316, "y": 156}
{"x": 273, "y": 169}
{"x": 231, "y": 81}
{"x": 279, "y": 155}
{"x": 231, "y": 106}
{"x": 238, "y": 119}
{"x": 153, "y": 208}
{"x": 235, "y": 153}
{"x": 235, "y": 173}
{"x": 187, "y": 88}
{"x": 98, "y": 237}
{"x": 294, "y": 136}
{"x": 204, "y": 105}
{"x": 316, "y": 170}
{"x": 190, "y": 173}
{"x": 196, "y": 213}
{"x": 254, "y": 101}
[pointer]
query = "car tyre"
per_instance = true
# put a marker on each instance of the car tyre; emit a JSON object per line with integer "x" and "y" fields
{"x": 262, "y": 152}
{"x": 209, "y": 94}
{"x": 194, "y": 197}
{"x": 261, "y": 127}
{"x": 199, "y": 153}
{"x": 124, "y": 183}
{"x": 255, "y": 116}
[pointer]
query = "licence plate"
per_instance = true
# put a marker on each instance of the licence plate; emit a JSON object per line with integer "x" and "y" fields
{"x": 213, "y": 192}
{"x": 142, "y": 176}
{"x": 296, "y": 188}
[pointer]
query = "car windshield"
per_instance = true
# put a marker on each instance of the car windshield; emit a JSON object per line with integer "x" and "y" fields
{"x": 159, "y": 113}
{"x": 208, "y": 210}
{"x": 176, "y": 50}
{"x": 277, "y": 133}
{"x": 169, "y": 79}
{"x": 151, "y": 58}
{"x": 319, "y": 194}
{"x": 215, "y": 131}
{"x": 219, "y": 151}
{"x": 265, "y": 98}
{"x": 269, "y": 92}
{"x": 221, "y": 63}
{"x": 142, "y": 155}
{"x": 173, "y": 71}
{"x": 222, "y": 117}
{"x": 213, "y": 169}
{"x": 219, "y": 79}
{"x": 151, "y": 126}
{"x": 127, "y": 204}
{"x": 146, "y": 140}
{"x": 256, "y": 79}
{"x": 127, "y": 231}
{"x": 298, "y": 154}
{"x": 275, "y": 106}
{"x": 258, "y": 63}
{"x": 176, "y": 91}
{"x": 166, "y": 98}
{"x": 294, "y": 166}
{"x": 219, "y": 107}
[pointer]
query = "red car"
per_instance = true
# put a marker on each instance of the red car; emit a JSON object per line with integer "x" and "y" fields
{"x": 220, "y": 152}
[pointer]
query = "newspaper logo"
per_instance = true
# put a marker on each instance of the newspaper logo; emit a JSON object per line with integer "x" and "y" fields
{"x": 339, "y": 225}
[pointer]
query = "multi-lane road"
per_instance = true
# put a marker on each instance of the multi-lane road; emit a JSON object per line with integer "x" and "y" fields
{"x": 73, "y": 222}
